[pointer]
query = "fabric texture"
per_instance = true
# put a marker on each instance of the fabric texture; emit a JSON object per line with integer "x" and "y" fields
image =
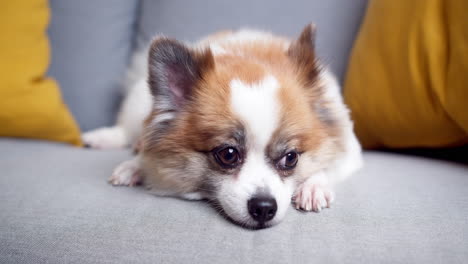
{"x": 56, "y": 207}
{"x": 337, "y": 21}
{"x": 91, "y": 43}
{"x": 31, "y": 105}
{"x": 406, "y": 84}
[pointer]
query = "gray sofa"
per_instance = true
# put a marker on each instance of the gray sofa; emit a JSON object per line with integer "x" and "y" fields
{"x": 56, "y": 206}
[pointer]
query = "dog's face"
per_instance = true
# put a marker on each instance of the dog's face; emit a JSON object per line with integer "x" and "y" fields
{"x": 242, "y": 133}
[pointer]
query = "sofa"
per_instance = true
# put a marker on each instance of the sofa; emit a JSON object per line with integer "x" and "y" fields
{"x": 57, "y": 207}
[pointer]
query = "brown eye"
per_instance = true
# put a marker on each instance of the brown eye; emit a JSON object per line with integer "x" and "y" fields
{"x": 288, "y": 161}
{"x": 227, "y": 157}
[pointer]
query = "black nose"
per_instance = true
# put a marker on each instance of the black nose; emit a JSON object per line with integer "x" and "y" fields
{"x": 262, "y": 208}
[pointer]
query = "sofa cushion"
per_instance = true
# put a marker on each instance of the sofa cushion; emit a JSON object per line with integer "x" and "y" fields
{"x": 91, "y": 43}
{"x": 56, "y": 207}
{"x": 337, "y": 21}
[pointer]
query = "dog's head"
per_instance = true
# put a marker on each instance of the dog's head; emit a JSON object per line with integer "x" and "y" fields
{"x": 243, "y": 130}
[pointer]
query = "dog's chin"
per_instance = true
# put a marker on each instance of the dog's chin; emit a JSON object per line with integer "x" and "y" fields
{"x": 249, "y": 223}
{"x": 252, "y": 225}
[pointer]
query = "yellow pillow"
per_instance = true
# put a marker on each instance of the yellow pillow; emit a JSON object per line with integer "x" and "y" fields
{"x": 30, "y": 103}
{"x": 407, "y": 83}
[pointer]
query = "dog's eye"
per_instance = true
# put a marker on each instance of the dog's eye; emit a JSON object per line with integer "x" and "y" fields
{"x": 288, "y": 161}
{"x": 227, "y": 157}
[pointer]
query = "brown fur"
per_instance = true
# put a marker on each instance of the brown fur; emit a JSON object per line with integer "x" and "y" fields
{"x": 207, "y": 120}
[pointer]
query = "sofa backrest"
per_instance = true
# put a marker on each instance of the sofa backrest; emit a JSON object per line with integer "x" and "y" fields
{"x": 337, "y": 21}
{"x": 92, "y": 40}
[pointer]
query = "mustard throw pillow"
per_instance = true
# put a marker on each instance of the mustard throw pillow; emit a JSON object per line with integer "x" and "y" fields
{"x": 30, "y": 103}
{"x": 407, "y": 83}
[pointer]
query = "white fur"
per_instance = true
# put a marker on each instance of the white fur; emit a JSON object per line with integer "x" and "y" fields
{"x": 192, "y": 196}
{"x": 255, "y": 177}
{"x": 350, "y": 160}
{"x": 247, "y": 35}
{"x": 347, "y": 162}
{"x": 218, "y": 45}
{"x": 217, "y": 49}
{"x": 106, "y": 138}
{"x": 161, "y": 118}
{"x": 315, "y": 193}
{"x": 257, "y": 106}
{"x": 127, "y": 173}
{"x": 135, "y": 109}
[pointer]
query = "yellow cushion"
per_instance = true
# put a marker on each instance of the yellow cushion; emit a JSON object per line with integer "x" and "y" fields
{"x": 407, "y": 83}
{"x": 30, "y": 103}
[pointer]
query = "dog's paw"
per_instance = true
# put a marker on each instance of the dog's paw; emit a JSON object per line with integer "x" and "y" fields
{"x": 313, "y": 196}
{"x": 105, "y": 138}
{"x": 127, "y": 173}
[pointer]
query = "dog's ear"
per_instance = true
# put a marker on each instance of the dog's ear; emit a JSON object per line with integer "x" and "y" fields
{"x": 302, "y": 53}
{"x": 174, "y": 71}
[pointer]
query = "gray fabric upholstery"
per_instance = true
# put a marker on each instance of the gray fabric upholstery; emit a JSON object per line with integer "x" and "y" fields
{"x": 91, "y": 42}
{"x": 337, "y": 21}
{"x": 56, "y": 207}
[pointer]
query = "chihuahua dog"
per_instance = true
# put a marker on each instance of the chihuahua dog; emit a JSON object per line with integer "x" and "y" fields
{"x": 246, "y": 119}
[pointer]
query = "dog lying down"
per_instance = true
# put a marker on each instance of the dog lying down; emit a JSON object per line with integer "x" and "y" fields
{"x": 246, "y": 119}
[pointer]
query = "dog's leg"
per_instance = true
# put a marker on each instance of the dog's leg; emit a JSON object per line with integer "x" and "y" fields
{"x": 127, "y": 173}
{"x": 314, "y": 194}
{"x": 106, "y": 138}
{"x": 350, "y": 160}
{"x": 317, "y": 192}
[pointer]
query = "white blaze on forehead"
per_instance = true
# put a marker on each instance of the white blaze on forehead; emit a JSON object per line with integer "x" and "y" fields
{"x": 258, "y": 107}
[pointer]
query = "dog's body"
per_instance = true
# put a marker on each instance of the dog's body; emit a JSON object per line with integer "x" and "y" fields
{"x": 246, "y": 119}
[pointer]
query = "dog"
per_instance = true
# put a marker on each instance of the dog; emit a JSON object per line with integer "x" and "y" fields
{"x": 247, "y": 119}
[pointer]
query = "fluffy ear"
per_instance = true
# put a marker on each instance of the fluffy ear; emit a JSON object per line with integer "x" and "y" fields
{"x": 302, "y": 52}
{"x": 174, "y": 71}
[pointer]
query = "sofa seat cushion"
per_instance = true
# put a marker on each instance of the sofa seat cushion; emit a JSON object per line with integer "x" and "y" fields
{"x": 56, "y": 206}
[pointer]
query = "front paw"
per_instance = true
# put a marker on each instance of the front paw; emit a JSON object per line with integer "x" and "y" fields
{"x": 313, "y": 196}
{"x": 127, "y": 173}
